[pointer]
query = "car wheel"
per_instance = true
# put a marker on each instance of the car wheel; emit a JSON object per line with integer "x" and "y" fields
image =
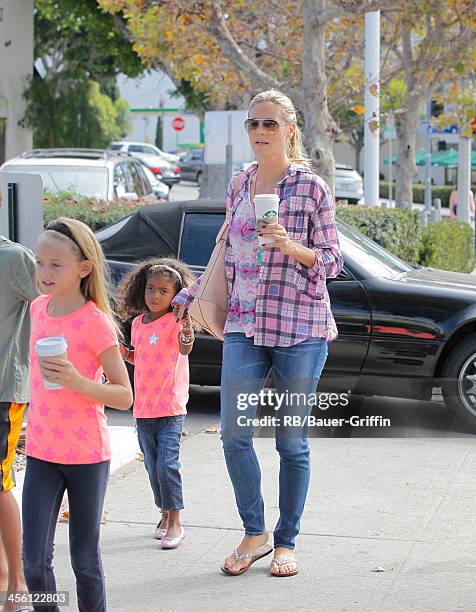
{"x": 199, "y": 179}
{"x": 458, "y": 382}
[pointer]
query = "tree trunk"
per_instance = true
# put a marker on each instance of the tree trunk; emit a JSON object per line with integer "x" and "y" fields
{"x": 318, "y": 123}
{"x": 358, "y": 146}
{"x": 406, "y": 167}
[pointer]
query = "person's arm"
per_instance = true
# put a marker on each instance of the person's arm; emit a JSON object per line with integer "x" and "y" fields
{"x": 327, "y": 260}
{"x": 185, "y": 297}
{"x": 186, "y": 336}
{"x": 323, "y": 258}
{"x": 116, "y": 394}
{"x": 453, "y": 201}
{"x": 127, "y": 353}
{"x": 24, "y": 276}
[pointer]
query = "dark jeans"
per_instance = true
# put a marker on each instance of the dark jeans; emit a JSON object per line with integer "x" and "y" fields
{"x": 159, "y": 440}
{"x": 45, "y": 484}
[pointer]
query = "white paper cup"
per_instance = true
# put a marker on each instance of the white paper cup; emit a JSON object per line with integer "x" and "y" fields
{"x": 266, "y": 211}
{"x": 51, "y": 347}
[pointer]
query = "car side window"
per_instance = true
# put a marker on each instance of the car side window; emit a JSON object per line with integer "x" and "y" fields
{"x": 197, "y": 241}
{"x": 137, "y": 149}
{"x": 120, "y": 183}
{"x": 146, "y": 187}
{"x": 149, "y": 150}
{"x": 128, "y": 178}
{"x": 137, "y": 186}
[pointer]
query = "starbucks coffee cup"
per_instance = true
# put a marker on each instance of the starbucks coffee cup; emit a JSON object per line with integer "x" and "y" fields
{"x": 51, "y": 347}
{"x": 266, "y": 211}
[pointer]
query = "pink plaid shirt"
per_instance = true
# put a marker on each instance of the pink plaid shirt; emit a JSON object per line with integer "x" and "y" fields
{"x": 292, "y": 303}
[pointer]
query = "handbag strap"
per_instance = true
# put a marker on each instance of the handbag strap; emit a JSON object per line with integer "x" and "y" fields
{"x": 240, "y": 181}
{"x": 222, "y": 231}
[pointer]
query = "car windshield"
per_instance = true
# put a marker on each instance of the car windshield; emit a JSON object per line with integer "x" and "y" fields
{"x": 371, "y": 259}
{"x": 115, "y": 147}
{"x": 82, "y": 180}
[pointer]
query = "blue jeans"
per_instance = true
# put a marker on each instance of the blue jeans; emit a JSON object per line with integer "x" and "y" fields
{"x": 43, "y": 489}
{"x": 297, "y": 370}
{"x": 159, "y": 440}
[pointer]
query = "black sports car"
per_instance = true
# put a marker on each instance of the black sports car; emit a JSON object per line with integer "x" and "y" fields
{"x": 403, "y": 330}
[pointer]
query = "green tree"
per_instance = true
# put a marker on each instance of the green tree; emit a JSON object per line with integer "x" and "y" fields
{"x": 72, "y": 97}
{"x": 431, "y": 43}
{"x": 231, "y": 49}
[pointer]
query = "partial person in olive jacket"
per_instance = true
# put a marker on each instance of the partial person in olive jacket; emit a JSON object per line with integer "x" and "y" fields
{"x": 17, "y": 282}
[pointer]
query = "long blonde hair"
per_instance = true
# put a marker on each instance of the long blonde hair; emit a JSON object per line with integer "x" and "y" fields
{"x": 295, "y": 149}
{"x": 82, "y": 240}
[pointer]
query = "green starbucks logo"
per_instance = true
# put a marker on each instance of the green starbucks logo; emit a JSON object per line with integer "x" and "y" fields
{"x": 270, "y": 216}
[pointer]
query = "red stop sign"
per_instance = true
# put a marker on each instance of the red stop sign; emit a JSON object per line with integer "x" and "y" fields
{"x": 178, "y": 124}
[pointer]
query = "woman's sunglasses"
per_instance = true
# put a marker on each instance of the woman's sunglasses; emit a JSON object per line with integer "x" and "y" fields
{"x": 271, "y": 125}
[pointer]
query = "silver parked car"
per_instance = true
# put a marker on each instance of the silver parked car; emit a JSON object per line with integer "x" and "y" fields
{"x": 142, "y": 147}
{"x": 348, "y": 184}
{"x": 92, "y": 173}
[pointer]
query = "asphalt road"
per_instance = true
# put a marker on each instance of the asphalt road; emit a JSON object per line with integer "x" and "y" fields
{"x": 184, "y": 190}
{"x": 408, "y": 418}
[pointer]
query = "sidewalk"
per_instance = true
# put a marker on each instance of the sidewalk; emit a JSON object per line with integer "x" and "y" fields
{"x": 124, "y": 448}
{"x": 403, "y": 505}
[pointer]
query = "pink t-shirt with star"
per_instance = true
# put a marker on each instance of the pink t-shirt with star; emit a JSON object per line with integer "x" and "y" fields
{"x": 161, "y": 376}
{"x": 63, "y": 425}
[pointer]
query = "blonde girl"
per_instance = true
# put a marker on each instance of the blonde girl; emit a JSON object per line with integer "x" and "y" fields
{"x": 68, "y": 445}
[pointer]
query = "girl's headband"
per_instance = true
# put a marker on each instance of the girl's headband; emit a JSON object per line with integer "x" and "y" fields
{"x": 62, "y": 228}
{"x": 169, "y": 268}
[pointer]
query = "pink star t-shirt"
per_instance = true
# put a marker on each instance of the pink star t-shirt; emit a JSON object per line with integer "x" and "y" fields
{"x": 63, "y": 425}
{"x": 161, "y": 376}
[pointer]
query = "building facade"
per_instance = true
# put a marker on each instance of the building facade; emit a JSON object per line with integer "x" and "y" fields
{"x": 16, "y": 67}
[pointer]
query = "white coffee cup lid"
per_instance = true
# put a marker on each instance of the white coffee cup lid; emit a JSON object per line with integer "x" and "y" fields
{"x": 267, "y": 196}
{"x": 54, "y": 345}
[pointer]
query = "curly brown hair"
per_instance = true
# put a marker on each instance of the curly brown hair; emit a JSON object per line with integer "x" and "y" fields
{"x": 131, "y": 289}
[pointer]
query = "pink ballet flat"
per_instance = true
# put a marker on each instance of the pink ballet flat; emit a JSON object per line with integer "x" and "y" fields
{"x": 159, "y": 531}
{"x": 173, "y": 542}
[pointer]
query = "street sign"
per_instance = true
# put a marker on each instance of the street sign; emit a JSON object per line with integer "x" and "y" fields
{"x": 178, "y": 124}
{"x": 425, "y": 126}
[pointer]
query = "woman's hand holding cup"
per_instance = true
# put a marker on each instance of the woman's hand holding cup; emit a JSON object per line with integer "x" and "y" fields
{"x": 279, "y": 237}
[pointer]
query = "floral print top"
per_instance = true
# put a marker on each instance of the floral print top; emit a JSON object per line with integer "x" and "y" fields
{"x": 244, "y": 242}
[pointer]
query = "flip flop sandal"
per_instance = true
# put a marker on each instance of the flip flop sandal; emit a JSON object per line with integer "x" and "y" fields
{"x": 259, "y": 553}
{"x": 283, "y": 562}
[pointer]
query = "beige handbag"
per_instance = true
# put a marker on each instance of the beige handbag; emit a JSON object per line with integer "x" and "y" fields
{"x": 209, "y": 308}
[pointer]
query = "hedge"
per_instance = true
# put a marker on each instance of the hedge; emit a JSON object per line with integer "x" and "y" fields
{"x": 437, "y": 191}
{"x": 96, "y": 214}
{"x": 448, "y": 245}
{"x": 396, "y": 229}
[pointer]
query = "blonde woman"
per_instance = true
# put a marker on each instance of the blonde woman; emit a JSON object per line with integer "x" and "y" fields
{"x": 279, "y": 318}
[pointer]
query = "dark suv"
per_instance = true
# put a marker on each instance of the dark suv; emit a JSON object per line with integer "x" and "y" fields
{"x": 191, "y": 166}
